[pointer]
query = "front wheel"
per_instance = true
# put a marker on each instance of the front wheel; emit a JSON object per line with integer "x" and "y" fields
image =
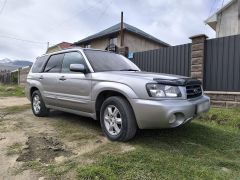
{"x": 38, "y": 106}
{"x": 117, "y": 119}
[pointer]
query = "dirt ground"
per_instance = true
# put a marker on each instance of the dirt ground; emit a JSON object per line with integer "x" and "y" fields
{"x": 31, "y": 147}
{"x": 12, "y": 101}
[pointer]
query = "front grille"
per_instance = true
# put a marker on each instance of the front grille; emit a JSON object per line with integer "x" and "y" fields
{"x": 193, "y": 91}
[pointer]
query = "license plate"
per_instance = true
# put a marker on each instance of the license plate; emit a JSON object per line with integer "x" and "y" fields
{"x": 203, "y": 107}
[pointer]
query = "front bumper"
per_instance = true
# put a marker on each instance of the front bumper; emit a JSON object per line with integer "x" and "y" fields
{"x": 151, "y": 114}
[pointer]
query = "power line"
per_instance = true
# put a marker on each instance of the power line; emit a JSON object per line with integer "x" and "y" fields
{"x": 24, "y": 40}
{"x": 220, "y": 19}
{"x": 4, "y": 4}
{"x": 212, "y": 8}
{"x": 60, "y": 24}
{"x": 103, "y": 12}
{"x": 73, "y": 16}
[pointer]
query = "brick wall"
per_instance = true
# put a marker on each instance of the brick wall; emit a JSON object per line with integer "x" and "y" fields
{"x": 197, "y": 56}
{"x": 224, "y": 99}
{"x": 218, "y": 98}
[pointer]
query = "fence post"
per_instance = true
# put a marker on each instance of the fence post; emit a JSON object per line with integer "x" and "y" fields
{"x": 19, "y": 74}
{"x": 197, "y": 61}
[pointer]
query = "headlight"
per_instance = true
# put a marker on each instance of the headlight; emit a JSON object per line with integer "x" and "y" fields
{"x": 160, "y": 90}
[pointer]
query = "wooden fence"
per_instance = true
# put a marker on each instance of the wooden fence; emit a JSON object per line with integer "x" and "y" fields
{"x": 7, "y": 77}
{"x": 14, "y": 77}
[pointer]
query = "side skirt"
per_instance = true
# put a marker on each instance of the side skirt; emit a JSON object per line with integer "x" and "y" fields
{"x": 85, "y": 114}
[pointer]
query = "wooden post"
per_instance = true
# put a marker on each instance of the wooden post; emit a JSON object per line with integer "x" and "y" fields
{"x": 238, "y": 9}
{"x": 19, "y": 69}
{"x": 47, "y": 47}
{"x": 121, "y": 32}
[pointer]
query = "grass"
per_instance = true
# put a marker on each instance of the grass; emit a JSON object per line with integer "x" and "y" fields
{"x": 229, "y": 118}
{"x": 207, "y": 148}
{"x": 52, "y": 170}
{"x": 15, "y": 109}
{"x": 11, "y": 90}
{"x": 68, "y": 127}
{"x": 15, "y": 148}
{"x": 5, "y": 112}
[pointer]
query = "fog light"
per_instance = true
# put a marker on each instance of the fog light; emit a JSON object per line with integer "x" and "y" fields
{"x": 172, "y": 119}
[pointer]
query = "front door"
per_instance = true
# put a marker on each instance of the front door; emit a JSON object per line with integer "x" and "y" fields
{"x": 74, "y": 87}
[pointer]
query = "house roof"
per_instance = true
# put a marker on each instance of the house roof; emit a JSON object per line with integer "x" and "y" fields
{"x": 62, "y": 45}
{"x": 212, "y": 20}
{"x": 115, "y": 29}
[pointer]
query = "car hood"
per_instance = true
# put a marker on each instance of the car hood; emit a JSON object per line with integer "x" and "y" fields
{"x": 140, "y": 75}
{"x": 135, "y": 80}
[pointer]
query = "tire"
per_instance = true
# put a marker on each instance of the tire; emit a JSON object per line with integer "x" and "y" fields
{"x": 127, "y": 126}
{"x": 40, "y": 110}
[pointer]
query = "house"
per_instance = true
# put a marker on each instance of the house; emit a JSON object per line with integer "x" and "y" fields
{"x": 133, "y": 38}
{"x": 226, "y": 21}
{"x": 58, "y": 47}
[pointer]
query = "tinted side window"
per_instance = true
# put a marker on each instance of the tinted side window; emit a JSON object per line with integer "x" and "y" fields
{"x": 72, "y": 58}
{"x": 54, "y": 64}
{"x": 39, "y": 64}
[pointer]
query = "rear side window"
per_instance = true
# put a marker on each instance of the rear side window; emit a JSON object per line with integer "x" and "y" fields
{"x": 54, "y": 64}
{"x": 72, "y": 58}
{"x": 39, "y": 64}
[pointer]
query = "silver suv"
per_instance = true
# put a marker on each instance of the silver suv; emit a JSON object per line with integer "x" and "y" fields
{"x": 108, "y": 87}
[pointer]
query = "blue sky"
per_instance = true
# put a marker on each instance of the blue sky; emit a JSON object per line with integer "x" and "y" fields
{"x": 172, "y": 21}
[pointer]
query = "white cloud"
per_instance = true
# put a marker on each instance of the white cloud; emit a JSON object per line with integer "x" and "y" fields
{"x": 53, "y": 21}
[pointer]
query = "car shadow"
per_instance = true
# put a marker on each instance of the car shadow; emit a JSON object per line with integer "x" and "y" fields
{"x": 194, "y": 134}
{"x": 76, "y": 120}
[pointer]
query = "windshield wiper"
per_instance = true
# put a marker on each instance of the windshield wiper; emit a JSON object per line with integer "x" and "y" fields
{"x": 128, "y": 70}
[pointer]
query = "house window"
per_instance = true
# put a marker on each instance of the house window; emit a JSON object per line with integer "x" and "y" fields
{"x": 87, "y": 46}
{"x": 113, "y": 41}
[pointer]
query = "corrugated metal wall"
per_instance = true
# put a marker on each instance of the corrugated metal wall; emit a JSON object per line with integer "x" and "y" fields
{"x": 222, "y": 64}
{"x": 171, "y": 60}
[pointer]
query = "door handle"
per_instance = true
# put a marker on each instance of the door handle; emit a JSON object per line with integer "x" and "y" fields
{"x": 62, "y": 78}
{"x": 41, "y": 77}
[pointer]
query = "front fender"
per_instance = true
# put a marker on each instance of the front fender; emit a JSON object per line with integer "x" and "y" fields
{"x": 99, "y": 87}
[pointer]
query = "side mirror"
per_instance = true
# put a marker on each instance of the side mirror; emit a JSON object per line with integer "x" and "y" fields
{"x": 78, "y": 68}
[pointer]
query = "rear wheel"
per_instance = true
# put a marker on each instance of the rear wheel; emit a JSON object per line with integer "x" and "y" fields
{"x": 117, "y": 119}
{"x": 38, "y": 106}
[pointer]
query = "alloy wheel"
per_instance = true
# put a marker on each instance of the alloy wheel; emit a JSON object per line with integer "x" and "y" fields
{"x": 36, "y": 104}
{"x": 112, "y": 120}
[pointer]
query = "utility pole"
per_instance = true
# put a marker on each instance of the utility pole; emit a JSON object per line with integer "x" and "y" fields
{"x": 47, "y": 46}
{"x": 121, "y": 31}
{"x": 238, "y": 9}
{"x": 238, "y": 15}
{"x": 122, "y": 49}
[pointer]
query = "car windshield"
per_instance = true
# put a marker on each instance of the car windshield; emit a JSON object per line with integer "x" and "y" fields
{"x": 108, "y": 61}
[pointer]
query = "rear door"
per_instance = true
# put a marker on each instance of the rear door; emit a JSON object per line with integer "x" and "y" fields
{"x": 74, "y": 87}
{"x": 49, "y": 79}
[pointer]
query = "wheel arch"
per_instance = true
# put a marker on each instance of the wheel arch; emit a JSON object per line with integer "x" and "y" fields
{"x": 32, "y": 89}
{"x": 103, "y": 95}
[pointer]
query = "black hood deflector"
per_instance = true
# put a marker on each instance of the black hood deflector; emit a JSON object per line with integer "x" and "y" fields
{"x": 178, "y": 82}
